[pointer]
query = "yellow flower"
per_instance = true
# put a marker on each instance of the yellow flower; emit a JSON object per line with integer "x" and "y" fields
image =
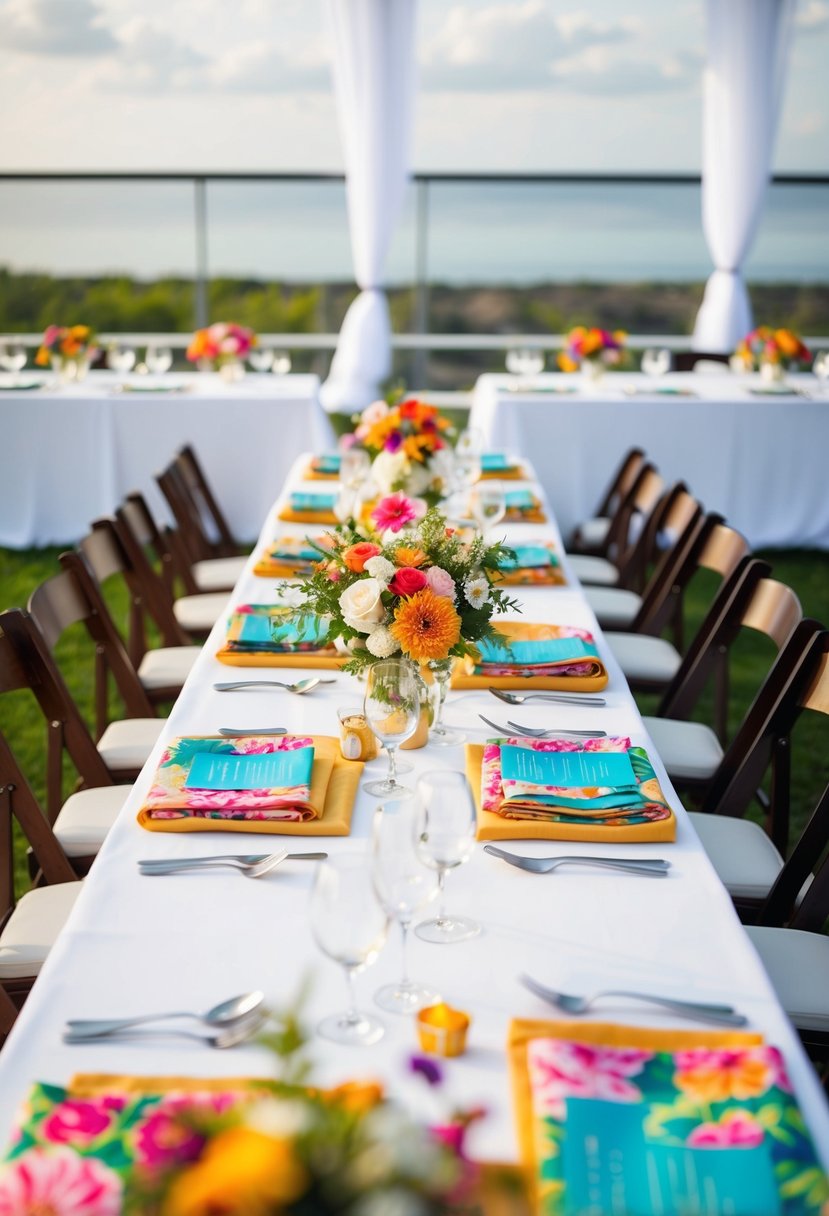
{"x": 356, "y": 1096}
{"x": 566, "y": 364}
{"x": 409, "y": 557}
{"x": 426, "y": 626}
{"x": 788, "y": 343}
{"x": 241, "y": 1173}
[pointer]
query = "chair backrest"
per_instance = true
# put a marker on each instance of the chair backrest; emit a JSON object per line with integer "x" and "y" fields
{"x": 631, "y": 536}
{"x": 115, "y": 540}
{"x": 683, "y": 529}
{"x": 621, "y": 482}
{"x": 165, "y": 543}
{"x": 762, "y": 741}
{"x": 197, "y": 544}
{"x": 206, "y": 503}
{"x": 27, "y": 663}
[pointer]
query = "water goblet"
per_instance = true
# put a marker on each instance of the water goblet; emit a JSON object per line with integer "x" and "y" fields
{"x": 12, "y": 356}
{"x": 261, "y": 358}
{"x": 820, "y": 367}
{"x": 392, "y": 709}
{"x": 489, "y": 506}
{"x": 159, "y": 359}
{"x": 349, "y": 925}
{"x": 656, "y": 361}
{"x": 281, "y": 363}
{"x": 524, "y": 361}
{"x": 354, "y": 467}
{"x": 444, "y": 835}
{"x": 404, "y": 886}
{"x": 120, "y": 358}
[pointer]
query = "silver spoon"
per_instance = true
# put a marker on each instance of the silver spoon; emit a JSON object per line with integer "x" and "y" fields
{"x": 581, "y": 1004}
{"x": 226, "y": 1013}
{"x": 233, "y": 732}
{"x": 299, "y": 687}
{"x": 229, "y": 1036}
{"x": 513, "y": 728}
{"x": 561, "y": 698}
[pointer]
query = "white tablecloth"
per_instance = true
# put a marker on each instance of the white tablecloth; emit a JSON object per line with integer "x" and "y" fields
{"x": 758, "y": 460}
{"x": 70, "y": 455}
{"x": 143, "y": 944}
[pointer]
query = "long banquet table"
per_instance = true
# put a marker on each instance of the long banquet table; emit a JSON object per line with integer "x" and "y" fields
{"x": 136, "y": 944}
{"x": 72, "y": 453}
{"x": 757, "y": 459}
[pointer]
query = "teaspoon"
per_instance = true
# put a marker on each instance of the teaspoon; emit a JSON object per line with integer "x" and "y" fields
{"x": 227, "y": 1013}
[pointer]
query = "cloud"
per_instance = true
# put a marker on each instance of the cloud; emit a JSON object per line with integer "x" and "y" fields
{"x": 258, "y": 67}
{"x": 598, "y": 71}
{"x": 55, "y": 27}
{"x": 149, "y": 58}
{"x": 812, "y": 16}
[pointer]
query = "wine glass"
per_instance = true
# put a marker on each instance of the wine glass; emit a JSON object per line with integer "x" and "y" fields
{"x": 656, "y": 362}
{"x": 489, "y": 506}
{"x": 349, "y": 926}
{"x": 524, "y": 361}
{"x": 820, "y": 367}
{"x": 403, "y": 886}
{"x": 444, "y": 835}
{"x": 120, "y": 358}
{"x": 354, "y": 467}
{"x": 159, "y": 359}
{"x": 392, "y": 709}
{"x": 281, "y": 363}
{"x": 12, "y": 356}
{"x": 261, "y": 358}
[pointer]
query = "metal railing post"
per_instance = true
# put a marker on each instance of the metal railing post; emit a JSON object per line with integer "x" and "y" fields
{"x": 200, "y": 210}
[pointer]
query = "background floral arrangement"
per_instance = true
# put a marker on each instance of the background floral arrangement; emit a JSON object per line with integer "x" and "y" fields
{"x": 592, "y": 346}
{"x": 74, "y": 342}
{"x": 220, "y": 343}
{"x": 409, "y": 585}
{"x": 409, "y": 444}
{"x": 779, "y": 347}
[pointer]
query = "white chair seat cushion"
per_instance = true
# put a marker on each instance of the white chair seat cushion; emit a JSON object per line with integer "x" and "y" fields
{"x": 798, "y": 966}
{"x": 86, "y": 817}
{"x": 687, "y": 749}
{"x": 595, "y": 570}
{"x": 615, "y": 607}
{"x": 592, "y": 532}
{"x": 33, "y": 928}
{"x": 742, "y": 854}
{"x": 128, "y": 743}
{"x": 218, "y": 573}
{"x": 642, "y": 657}
{"x": 167, "y": 667}
{"x": 197, "y": 613}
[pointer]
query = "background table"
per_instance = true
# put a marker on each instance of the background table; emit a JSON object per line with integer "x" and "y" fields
{"x": 71, "y": 454}
{"x": 760, "y": 461}
{"x": 141, "y": 944}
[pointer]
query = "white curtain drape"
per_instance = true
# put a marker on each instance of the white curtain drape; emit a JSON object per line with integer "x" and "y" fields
{"x": 742, "y": 94}
{"x": 374, "y": 54}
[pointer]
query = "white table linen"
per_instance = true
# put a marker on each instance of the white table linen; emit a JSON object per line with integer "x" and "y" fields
{"x": 71, "y": 454}
{"x": 138, "y": 944}
{"x": 758, "y": 460}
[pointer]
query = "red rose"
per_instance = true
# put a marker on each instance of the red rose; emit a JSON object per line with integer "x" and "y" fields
{"x": 407, "y": 581}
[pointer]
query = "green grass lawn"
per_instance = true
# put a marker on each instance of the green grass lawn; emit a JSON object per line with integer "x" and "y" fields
{"x": 805, "y": 571}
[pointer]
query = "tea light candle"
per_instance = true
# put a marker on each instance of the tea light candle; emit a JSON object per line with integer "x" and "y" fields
{"x": 357, "y": 739}
{"x": 442, "y": 1030}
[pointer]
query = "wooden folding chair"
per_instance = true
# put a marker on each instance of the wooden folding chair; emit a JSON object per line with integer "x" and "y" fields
{"x": 594, "y": 535}
{"x": 207, "y": 571}
{"x": 206, "y": 503}
{"x": 634, "y": 537}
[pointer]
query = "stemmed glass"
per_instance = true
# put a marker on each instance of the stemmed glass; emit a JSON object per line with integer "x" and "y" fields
{"x": 159, "y": 359}
{"x": 524, "y": 361}
{"x": 120, "y": 358}
{"x": 261, "y": 358}
{"x": 12, "y": 356}
{"x": 403, "y": 886}
{"x": 281, "y": 363}
{"x": 489, "y": 506}
{"x": 355, "y": 464}
{"x": 444, "y": 836}
{"x": 656, "y": 362}
{"x": 820, "y": 367}
{"x": 466, "y": 468}
{"x": 349, "y": 926}
{"x": 392, "y": 709}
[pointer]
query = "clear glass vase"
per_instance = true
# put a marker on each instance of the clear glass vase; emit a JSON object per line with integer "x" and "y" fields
{"x": 69, "y": 371}
{"x": 440, "y": 734}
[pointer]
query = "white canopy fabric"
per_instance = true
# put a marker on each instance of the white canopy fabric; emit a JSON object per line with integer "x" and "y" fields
{"x": 374, "y": 54}
{"x": 742, "y": 94}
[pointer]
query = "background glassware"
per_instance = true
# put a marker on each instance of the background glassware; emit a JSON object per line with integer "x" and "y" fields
{"x": 821, "y": 368}
{"x": 349, "y": 926}
{"x": 392, "y": 708}
{"x": 525, "y": 361}
{"x": 12, "y": 356}
{"x": 355, "y": 464}
{"x": 159, "y": 359}
{"x": 440, "y": 734}
{"x": 656, "y": 362}
{"x": 445, "y": 832}
{"x": 466, "y": 467}
{"x": 403, "y": 886}
{"x": 120, "y": 358}
{"x": 261, "y": 358}
{"x": 281, "y": 363}
{"x": 489, "y": 506}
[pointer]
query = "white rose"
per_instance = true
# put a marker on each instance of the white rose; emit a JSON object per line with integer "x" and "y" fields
{"x": 381, "y": 568}
{"x": 389, "y": 470}
{"x": 382, "y": 643}
{"x": 361, "y": 606}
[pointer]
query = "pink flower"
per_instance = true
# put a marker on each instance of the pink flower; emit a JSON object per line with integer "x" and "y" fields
{"x": 58, "y": 1182}
{"x": 441, "y": 582}
{"x": 373, "y": 413}
{"x": 74, "y": 1122}
{"x": 736, "y": 1129}
{"x": 395, "y": 511}
{"x": 561, "y": 1070}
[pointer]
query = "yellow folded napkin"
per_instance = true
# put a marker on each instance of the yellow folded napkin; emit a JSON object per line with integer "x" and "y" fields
{"x": 329, "y": 802}
{"x": 316, "y": 470}
{"x": 542, "y": 574}
{"x": 524, "y": 507}
{"x": 288, "y": 557}
{"x": 617, "y": 830}
{"x": 250, "y": 642}
{"x": 593, "y": 679}
{"x": 535, "y": 1142}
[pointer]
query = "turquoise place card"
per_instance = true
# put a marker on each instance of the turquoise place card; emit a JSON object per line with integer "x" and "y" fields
{"x": 536, "y": 653}
{"x": 273, "y": 631}
{"x": 495, "y": 462}
{"x": 575, "y": 770}
{"x": 330, "y": 463}
{"x": 517, "y": 499}
{"x": 265, "y": 771}
{"x": 528, "y": 557}
{"x": 313, "y": 502}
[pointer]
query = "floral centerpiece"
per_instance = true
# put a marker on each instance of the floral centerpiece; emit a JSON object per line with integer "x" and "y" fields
{"x": 592, "y": 350}
{"x": 771, "y": 351}
{"x": 409, "y": 446}
{"x": 222, "y": 347}
{"x": 68, "y": 348}
{"x": 406, "y": 584}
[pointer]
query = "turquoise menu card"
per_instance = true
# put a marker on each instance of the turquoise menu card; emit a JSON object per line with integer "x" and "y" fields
{"x": 266, "y": 771}
{"x": 537, "y": 653}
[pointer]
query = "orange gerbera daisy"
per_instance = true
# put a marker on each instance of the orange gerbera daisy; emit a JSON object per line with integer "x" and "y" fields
{"x": 426, "y": 626}
{"x": 409, "y": 557}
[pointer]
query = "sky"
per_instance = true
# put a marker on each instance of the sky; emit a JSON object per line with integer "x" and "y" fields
{"x": 503, "y": 85}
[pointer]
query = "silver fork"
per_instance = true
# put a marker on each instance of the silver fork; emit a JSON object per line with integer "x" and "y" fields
{"x": 704, "y": 1012}
{"x": 514, "y": 728}
{"x": 253, "y": 866}
{"x": 561, "y": 698}
{"x": 655, "y": 867}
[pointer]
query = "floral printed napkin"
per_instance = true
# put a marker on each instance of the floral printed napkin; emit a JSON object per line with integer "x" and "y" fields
{"x": 271, "y": 637}
{"x": 497, "y": 464}
{"x": 524, "y": 507}
{"x": 310, "y": 508}
{"x": 533, "y": 564}
{"x": 323, "y": 468}
{"x": 560, "y": 657}
{"x": 646, "y": 1113}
